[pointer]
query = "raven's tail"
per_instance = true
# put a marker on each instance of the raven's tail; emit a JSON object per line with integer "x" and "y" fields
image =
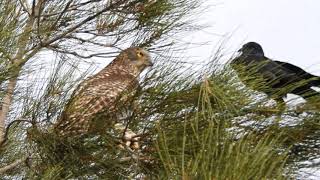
{"x": 315, "y": 82}
{"x": 310, "y": 93}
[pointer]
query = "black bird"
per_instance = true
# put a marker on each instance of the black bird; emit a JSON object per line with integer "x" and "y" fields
{"x": 275, "y": 78}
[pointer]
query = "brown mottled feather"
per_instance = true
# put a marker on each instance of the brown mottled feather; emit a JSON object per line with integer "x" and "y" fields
{"x": 99, "y": 94}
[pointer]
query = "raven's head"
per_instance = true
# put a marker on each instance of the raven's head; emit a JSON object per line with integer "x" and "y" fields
{"x": 251, "y": 48}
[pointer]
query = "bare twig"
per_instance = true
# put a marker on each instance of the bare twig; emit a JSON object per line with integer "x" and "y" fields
{"x": 91, "y": 42}
{"x": 12, "y": 165}
{"x": 61, "y": 14}
{"x": 25, "y": 7}
{"x": 72, "y": 29}
{"x": 104, "y": 55}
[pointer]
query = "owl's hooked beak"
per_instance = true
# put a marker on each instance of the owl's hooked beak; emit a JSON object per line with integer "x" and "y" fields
{"x": 149, "y": 63}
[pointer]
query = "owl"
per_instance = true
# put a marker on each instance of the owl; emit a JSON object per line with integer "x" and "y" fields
{"x": 97, "y": 97}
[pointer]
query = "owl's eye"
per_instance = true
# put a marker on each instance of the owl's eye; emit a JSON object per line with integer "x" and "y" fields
{"x": 140, "y": 54}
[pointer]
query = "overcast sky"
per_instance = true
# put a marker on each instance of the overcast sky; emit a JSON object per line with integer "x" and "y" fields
{"x": 288, "y": 30}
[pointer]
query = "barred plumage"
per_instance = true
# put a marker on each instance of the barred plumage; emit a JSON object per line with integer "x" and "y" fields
{"x": 98, "y": 95}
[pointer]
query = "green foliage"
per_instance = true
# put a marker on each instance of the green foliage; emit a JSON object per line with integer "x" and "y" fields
{"x": 187, "y": 129}
{"x": 67, "y": 157}
{"x": 202, "y": 144}
{"x": 157, "y": 9}
{"x": 206, "y": 155}
{"x": 200, "y": 124}
{"x": 191, "y": 126}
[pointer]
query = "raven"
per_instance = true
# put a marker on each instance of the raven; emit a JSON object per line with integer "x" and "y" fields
{"x": 275, "y": 78}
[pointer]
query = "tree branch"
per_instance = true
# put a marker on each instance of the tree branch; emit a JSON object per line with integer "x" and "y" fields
{"x": 61, "y": 14}
{"x": 7, "y": 100}
{"x": 12, "y": 165}
{"x": 25, "y": 7}
{"x": 102, "y": 55}
{"x": 5, "y": 136}
{"x": 70, "y": 30}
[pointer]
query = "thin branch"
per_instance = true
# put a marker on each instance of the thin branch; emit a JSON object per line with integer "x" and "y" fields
{"x": 13, "y": 165}
{"x": 103, "y": 55}
{"x": 71, "y": 8}
{"x": 90, "y": 41}
{"x": 61, "y": 14}
{"x": 33, "y": 7}
{"x": 5, "y": 137}
{"x": 25, "y": 7}
{"x": 88, "y": 19}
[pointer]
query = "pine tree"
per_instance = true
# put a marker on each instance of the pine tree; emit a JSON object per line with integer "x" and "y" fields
{"x": 196, "y": 124}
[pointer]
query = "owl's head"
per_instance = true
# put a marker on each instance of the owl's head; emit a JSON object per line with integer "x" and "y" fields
{"x": 138, "y": 57}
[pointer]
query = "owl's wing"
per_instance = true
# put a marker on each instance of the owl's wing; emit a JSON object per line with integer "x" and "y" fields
{"x": 95, "y": 95}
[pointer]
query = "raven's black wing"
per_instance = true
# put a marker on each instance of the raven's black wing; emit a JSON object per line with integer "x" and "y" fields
{"x": 295, "y": 69}
{"x": 300, "y": 73}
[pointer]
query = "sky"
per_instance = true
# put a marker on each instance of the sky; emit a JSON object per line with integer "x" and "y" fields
{"x": 288, "y": 30}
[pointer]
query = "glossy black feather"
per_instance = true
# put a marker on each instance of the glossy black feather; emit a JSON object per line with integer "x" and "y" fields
{"x": 277, "y": 78}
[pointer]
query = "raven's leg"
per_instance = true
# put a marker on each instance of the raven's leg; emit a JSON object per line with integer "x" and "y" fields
{"x": 281, "y": 105}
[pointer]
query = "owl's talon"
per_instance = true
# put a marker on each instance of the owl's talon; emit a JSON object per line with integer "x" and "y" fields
{"x": 129, "y": 139}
